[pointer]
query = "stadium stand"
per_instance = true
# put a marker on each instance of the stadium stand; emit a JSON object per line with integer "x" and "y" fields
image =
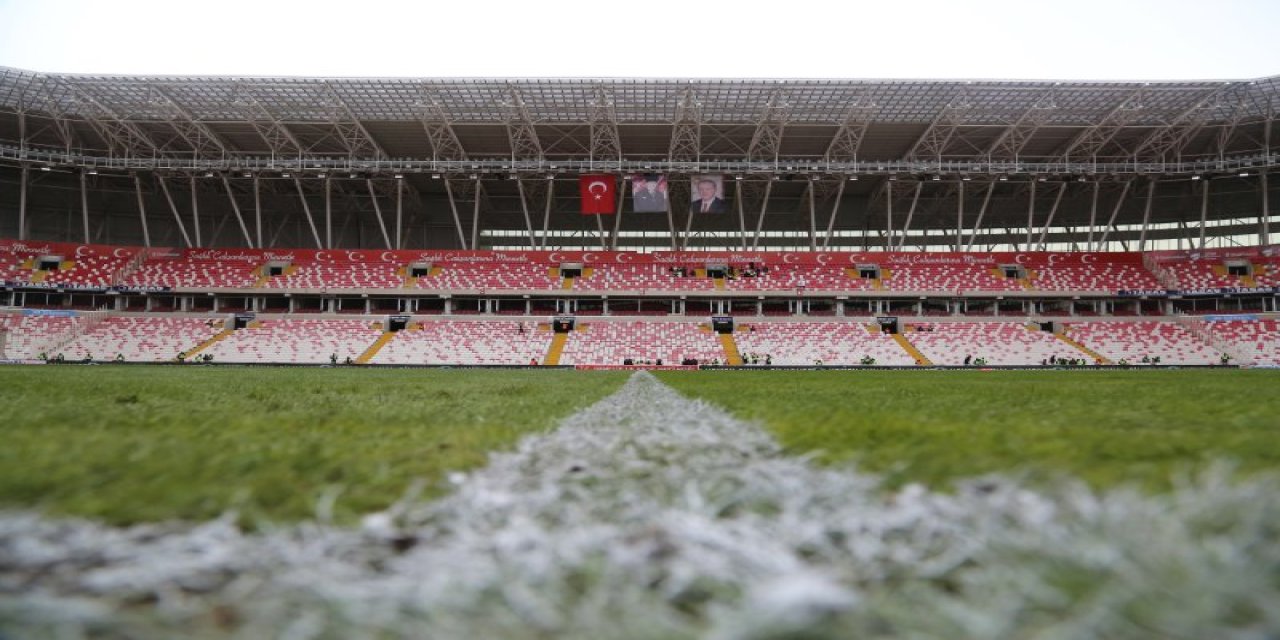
{"x": 636, "y": 277}
{"x": 946, "y": 278}
{"x": 1254, "y": 342}
{"x": 210, "y": 273}
{"x": 611, "y": 343}
{"x": 1130, "y": 342}
{"x": 141, "y": 339}
{"x": 831, "y": 343}
{"x": 488, "y": 276}
{"x": 1093, "y": 277}
{"x": 340, "y": 275}
{"x": 296, "y": 341}
{"x": 26, "y": 337}
{"x": 467, "y": 342}
{"x": 998, "y": 343}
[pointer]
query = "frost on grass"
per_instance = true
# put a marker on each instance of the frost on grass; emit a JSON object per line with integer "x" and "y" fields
{"x": 649, "y": 515}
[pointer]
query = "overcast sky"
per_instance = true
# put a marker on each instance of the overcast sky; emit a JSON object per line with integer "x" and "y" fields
{"x": 1080, "y": 39}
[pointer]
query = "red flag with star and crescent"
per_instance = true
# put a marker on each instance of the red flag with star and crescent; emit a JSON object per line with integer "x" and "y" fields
{"x": 597, "y": 193}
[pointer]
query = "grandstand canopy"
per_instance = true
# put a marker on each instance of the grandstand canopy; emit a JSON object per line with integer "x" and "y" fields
{"x": 469, "y": 162}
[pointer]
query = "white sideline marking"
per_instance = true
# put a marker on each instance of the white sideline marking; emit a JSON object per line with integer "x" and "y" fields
{"x": 652, "y": 515}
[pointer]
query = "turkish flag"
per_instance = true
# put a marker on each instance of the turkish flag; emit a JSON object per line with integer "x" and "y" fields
{"x": 597, "y": 192}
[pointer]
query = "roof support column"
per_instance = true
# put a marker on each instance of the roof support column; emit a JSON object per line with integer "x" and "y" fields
{"x": 888, "y": 218}
{"x": 142, "y": 211}
{"x": 84, "y": 205}
{"x": 1111, "y": 223}
{"x": 182, "y": 228}
{"x": 195, "y": 211}
{"x": 457, "y": 221}
{"x": 306, "y": 209}
{"x": 1093, "y": 214}
{"x": 831, "y": 222}
{"x": 1031, "y": 213}
{"x": 546, "y": 213}
{"x": 982, "y": 212}
{"x": 235, "y": 207}
{"x": 475, "y": 216}
{"x": 959, "y": 214}
{"x": 22, "y": 203}
{"x": 399, "y": 213}
{"x": 742, "y": 216}
{"x": 1146, "y": 216}
{"x": 377, "y": 212}
{"x": 257, "y": 209}
{"x": 906, "y": 225}
{"x": 1264, "y": 231}
{"x": 1204, "y": 210}
{"x": 1053, "y": 211}
{"x": 528, "y": 223}
{"x": 328, "y": 212}
{"x": 813, "y": 219}
{"x": 764, "y": 205}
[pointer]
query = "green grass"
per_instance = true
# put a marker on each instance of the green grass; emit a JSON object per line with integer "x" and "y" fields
{"x": 132, "y": 444}
{"x": 1109, "y": 428}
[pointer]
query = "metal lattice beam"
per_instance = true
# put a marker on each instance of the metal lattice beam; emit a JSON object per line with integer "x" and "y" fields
{"x": 122, "y": 136}
{"x": 1086, "y": 146}
{"x": 280, "y": 140}
{"x": 202, "y": 141}
{"x": 1172, "y": 137}
{"x": 766, "y": 142}
{"x": 844, "y": 146}
{"x": 436, "y": 124}
{"x": 350, "y": 132}
{"x": 686, "y": 129}
{"x": 521, "y": 132}
{"x": 933, "y": 143}
{"x": 606, "y": 144}
{"x": 1011, "y": 141}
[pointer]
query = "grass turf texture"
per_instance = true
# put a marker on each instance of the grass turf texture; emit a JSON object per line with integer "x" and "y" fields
{"x": 134, "y": 444}
{"x": 1107, "y": 427}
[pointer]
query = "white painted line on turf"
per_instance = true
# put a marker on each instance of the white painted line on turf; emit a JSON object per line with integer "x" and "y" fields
{"x": 651, "y": 515}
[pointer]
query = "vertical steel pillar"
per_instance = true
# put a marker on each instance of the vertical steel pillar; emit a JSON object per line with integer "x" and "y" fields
{"x": 1146, "y": 216}
{"x": 257, "y": 209}
{"x": 457, "y": 221}
{"x": 84, "y": 205}
{"x": 195, "y": 211}
{"x": 22, "y": 203}
{"x": 142, "y": 211}
{"x": 831, "y": 222}
{"x": 1204, "y": 210}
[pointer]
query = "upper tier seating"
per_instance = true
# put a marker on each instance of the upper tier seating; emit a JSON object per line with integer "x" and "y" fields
{"x": 141, "y": 339}
{"x": 463, "y": 342}
{"x": 610, "y": 343}
{"x": 301, "y": 341}
{"x": 629, "y": 277}
{"x": 341, "y": 275}
{"x": 946, "y": 278}
{"x": 1094, "y": 277}
{"x": 167, "y": 272}
{"x": 999, "y": 343}
{"x": 491, "y": 276}
{"x": 804, "y": 343}
{"x": 1252, "y": 342}
{"x": 790, "y": 277}
{"x": 1131, "y": 341}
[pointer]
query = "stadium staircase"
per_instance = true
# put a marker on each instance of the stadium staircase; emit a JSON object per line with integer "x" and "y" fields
{"x": 911, "y": 349}
{"x": 732, "y": 356}
{"x": 218, "y": 337}
{"x": 557, "y": 347}
{"x": 374, "y": 348}
{"x": 1097, "y": 357}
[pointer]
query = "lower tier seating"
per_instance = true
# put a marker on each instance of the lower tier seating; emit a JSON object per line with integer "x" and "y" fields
{"x": 300, "y": 341}
{"x": 140, "y": 339}
{"x": 1132, "y": 341}
{"x": 611, "y": 343}
{"x": 998, "y": 343}
{"x": 805, "y": 343}
{"x": 1250, "y": 342}
{"x": 463, "y": 342}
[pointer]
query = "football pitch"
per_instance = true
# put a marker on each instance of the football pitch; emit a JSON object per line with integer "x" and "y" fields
{"x": 134, "y": 444}
{"x": 357, "y": 503}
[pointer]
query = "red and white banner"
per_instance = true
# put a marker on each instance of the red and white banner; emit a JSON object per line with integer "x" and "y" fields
{"x": 597, "y": 191}
{"x": 67, "y": 250}
{"x": 1233, "y": 253}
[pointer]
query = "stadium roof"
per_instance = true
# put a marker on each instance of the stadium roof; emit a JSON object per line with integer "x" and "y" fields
{"x": 529, "y": 119}
{"x": 473, "y": 156}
